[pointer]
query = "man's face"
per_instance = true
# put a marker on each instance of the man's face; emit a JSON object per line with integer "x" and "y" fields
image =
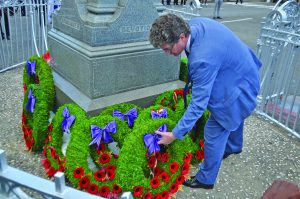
{"x": 177, "y": 48}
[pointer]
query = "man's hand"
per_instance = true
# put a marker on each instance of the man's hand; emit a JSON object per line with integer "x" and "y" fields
{"x": 166, "y": 137}
{"x": 281, "y": 189}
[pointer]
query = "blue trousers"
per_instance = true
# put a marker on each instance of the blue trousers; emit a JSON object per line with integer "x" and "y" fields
{"x": 217, "y": 141}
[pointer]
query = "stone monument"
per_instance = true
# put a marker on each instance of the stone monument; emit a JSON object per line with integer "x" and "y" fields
{"x": 103, "y": 56}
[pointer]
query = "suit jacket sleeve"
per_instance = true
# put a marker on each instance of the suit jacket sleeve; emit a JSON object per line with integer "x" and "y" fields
{"x": 203, "y": 75}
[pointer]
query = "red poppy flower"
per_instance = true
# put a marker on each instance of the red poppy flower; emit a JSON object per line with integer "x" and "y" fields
{"x": 29, "y": 132}
{"x": 117, "y": 189}
{"x": 188, "y": 157}
{"x": 101, "y": 148}
{"x": 84, "y": 182}
{"x": 147, "y": 195}
{"x": 173, "y": 167}
{"x": 52, "y": 151}
{"x": 179, "y": 92}
{"x": 164, "y": 176}
{"x": 50, "y": 172}
{"x": 157, "y": 196}
{"x": 155, "y": 182}
{"x": 158, "y": 156}
{"x": 23, "y": 118}
{"x": 165, "y": 157}
{"x": 110, "y": 168}
{"x": 29, "y": 143}
{"x": 151, "y": 161}
{"x": 104, "y": 158}
{"x": 47, "y": 140}
{"x": 93, "y": 189}
{"x": 116, "y": 156}
{"x": 137, "y": 191}
{"x": 165, "y": 194}
{"x": 110, "y": 174}
{"x": 199, "y": 155}
{"x": 185, "y": 168}
{"x": 50, "y": 127}
{"x": 104, "y": 191}
{"x": 202, "y": 144}
{"x": 99, "y": 175}
{"x": 47, "y": 57}
{"x": 180, "y": 180}
{"x": 157, "y": 171}
{"x": 46, "y": 163}
{"x": 174, "y": 188}
{"x": 61, "y": 168}
{"x": 24, "y": 88}
{"x": 78, "y": 172}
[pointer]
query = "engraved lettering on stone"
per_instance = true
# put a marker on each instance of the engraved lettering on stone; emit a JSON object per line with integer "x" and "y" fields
{"x": 133, "y": 29}
{"x": 70, "y": 23}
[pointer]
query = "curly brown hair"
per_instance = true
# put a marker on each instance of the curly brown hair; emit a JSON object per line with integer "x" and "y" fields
{"x": 167, "y": 29}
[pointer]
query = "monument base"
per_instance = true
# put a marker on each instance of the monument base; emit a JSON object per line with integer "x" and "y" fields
{"x": 144, "y": 97}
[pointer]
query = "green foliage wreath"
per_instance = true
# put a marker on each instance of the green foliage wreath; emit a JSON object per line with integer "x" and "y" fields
{"x": 40, "y": 79}
{"x": 97, "y": 179}
{"x": 35, "y": 124}
{"x": 152, "y": 175}
{"x": 53, "y": 158}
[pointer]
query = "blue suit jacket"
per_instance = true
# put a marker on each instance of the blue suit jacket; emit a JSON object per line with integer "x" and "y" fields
{"x": 225, "y": 76}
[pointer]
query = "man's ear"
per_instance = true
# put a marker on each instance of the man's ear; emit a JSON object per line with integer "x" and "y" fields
{"x": 182, "y": 36}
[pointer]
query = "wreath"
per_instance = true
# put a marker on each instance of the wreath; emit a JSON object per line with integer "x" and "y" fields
{"x": 37, "y": 75}
{"x": 35, "y": 117}
{"x": 59, "y": 132}
{"x": 147, "y": 173}
{"x": 90, "y": 164}
{"x": 169, "y": 98}
{"x": 183, "y": 69}
{"x": 197, "y": 133}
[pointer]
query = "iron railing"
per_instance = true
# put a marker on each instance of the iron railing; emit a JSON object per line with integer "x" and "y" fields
{"x": 13, "y": 180}
{"x": 24, "y": 27}
{"x": 279, "y": 50}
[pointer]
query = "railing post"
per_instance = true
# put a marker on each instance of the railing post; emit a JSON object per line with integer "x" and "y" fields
{"x": 3, "y": 161}
{"x": 126, "y": 195}
{"x": 60, "y": 184}
{"x": 3, "y": 166}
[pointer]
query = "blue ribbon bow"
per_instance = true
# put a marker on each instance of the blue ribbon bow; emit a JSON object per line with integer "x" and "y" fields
{"x": 98, "y": 133}
{"x": 30, "y": 66}
{"x": 151, "y": 139}
{"x": 31, "y": 102}
{"x": 161, "y": 113}
{"x": 68, "y": 121}
{"x": 131, "y": 116}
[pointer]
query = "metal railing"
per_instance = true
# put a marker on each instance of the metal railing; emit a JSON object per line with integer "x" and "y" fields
{"x": 279, "y": 50}
{"x": 12, "y": 180}
{"x": 187, "y": 12}
{"x": 24, "y": 27}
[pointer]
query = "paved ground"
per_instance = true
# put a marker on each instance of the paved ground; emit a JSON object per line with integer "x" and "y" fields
{"x": 269, "y": 152}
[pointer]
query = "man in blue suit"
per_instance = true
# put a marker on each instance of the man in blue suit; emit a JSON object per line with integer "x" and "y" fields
{"x": 225, "y": 80}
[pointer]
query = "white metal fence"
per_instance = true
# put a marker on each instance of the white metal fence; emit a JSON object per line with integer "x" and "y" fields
{"x": 279, "y": 50}
{"x": 24, "y": 26}
{"x": 13, "y": 180}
